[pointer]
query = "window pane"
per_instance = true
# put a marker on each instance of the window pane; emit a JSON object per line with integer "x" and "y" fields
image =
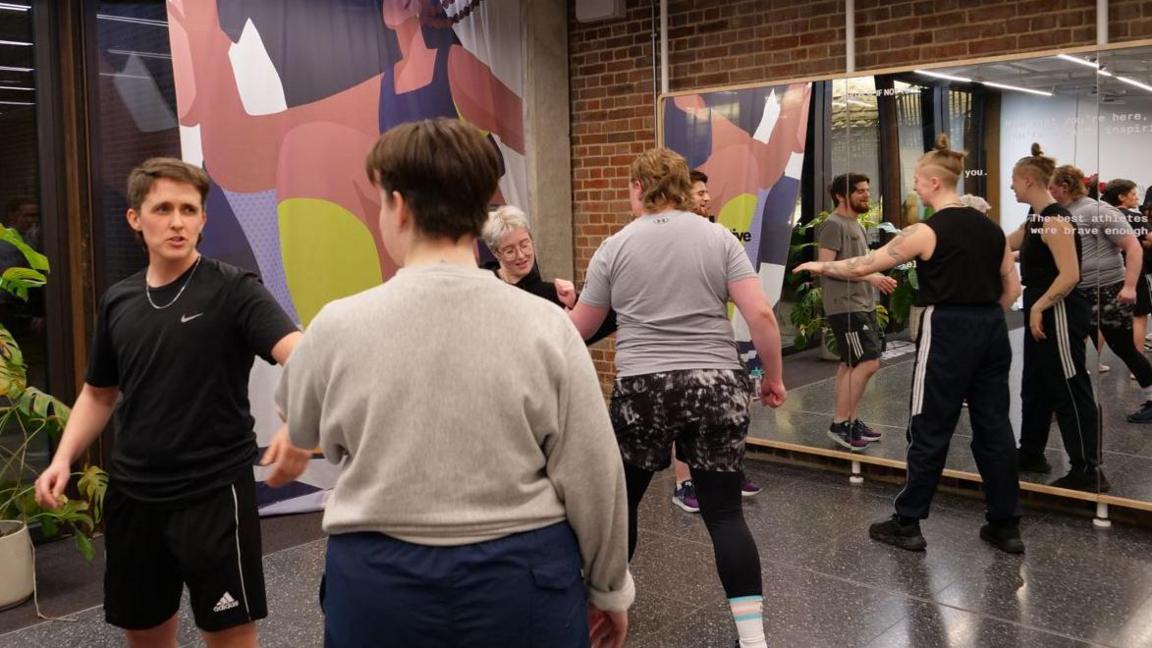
{"x": 19, "y": 200}
{"x": 134, "y": 119}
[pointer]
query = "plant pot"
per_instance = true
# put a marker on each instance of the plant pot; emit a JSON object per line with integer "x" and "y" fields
{"x": 914, "y": 314}
{"x": 16, "y": 569}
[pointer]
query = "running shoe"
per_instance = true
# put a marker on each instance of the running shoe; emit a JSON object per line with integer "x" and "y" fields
{"x": 867, "y": 433}
{"x": 904, "y": 535}
{"x": 1032, "y": 463}
{"x": 750, "y": 488}
{"x": 844, "y": 434}
{"x": 1142, "y": 415}
{"x": 1005, "y": 537}
{"x": 685, "y": 497}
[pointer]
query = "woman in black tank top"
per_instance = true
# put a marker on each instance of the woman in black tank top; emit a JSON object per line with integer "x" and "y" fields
{"x": 967, "y": 280}
{"x": 1055, "y": 380}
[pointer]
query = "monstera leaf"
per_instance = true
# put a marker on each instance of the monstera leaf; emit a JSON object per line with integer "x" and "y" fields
{"x": 13, "y": 374}
{"x": 36, "y": 261}
{"x": 17, "y": 281}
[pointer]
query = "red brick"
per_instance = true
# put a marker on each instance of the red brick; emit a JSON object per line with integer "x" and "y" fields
{"x": 993, "y": 46}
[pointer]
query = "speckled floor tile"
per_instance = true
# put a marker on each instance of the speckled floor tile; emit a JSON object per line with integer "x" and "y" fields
{"x": 930, "y": 625}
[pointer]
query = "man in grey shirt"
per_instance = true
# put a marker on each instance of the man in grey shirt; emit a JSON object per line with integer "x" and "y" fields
{"x": 850, "y": 309}
{"x": 1108, "y": 277}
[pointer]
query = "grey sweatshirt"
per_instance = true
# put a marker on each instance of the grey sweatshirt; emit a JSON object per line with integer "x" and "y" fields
{"x": 465, "y": 410}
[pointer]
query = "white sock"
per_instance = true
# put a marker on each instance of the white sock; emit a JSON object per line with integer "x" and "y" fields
{"x": 748, "y": 612}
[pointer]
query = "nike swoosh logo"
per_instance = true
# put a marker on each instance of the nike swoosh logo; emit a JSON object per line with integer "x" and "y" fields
{"x": 184, "y": 319}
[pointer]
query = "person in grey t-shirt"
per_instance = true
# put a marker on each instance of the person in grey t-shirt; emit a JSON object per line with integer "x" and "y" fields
{"x": 669, "y": 276}
{"x": 849, "y": 306}
{"x": 1108, "y": 278}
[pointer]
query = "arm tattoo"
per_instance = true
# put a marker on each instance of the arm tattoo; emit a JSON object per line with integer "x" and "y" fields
{"x": 849, "y": 269}
{"x": 1052, "y": 299}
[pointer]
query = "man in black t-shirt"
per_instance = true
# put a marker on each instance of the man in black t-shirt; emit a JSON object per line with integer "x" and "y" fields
{"x": 170, "y": 358}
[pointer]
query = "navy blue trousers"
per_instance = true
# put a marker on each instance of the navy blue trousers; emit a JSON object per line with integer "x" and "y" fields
{"x": 522, "y": 590}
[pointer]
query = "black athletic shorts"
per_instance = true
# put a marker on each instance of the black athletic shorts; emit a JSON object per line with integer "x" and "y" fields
{"x": 858, "y": 337}
{"x": 211, "y": 545}
{"x": 1143, "y": 296}
{"x": 704, "y": 411}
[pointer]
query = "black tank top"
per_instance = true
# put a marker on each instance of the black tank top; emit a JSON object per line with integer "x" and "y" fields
{"x": 1037, "y": 265}
{"x": 965, "y": 266}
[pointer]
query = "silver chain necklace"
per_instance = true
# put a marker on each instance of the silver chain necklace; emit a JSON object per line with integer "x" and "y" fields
{"x": 148, "y": 293}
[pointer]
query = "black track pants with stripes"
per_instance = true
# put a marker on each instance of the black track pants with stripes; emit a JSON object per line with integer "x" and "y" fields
{"x": 1056, "y": 381}
{"x": 963, "y": 353}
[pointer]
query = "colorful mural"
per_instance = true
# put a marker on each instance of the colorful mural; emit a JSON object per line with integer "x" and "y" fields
{"x": 281, "y": 100}
{"x": 750, "y": 144}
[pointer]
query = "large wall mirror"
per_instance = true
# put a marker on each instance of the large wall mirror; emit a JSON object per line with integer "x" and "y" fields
{"x": 1092, "y": 113}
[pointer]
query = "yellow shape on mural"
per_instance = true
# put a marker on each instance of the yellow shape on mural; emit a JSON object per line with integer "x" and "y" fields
{"x": 328, "y": 254}
{"x": 737, "y": 213}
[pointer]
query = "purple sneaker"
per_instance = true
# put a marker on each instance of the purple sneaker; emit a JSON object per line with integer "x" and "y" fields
{"x": 750, "y": 488}
{"x": 685, "y": 497}
{"x": 846, "y": 436}
{"x": 867, "y": 433}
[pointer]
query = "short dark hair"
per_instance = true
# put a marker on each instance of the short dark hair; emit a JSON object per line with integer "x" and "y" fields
{"x": 141, "y": 179}
{"x": 1115, "y": 189}
{"x": 843, "y": 184}
{"x": 445, "y": 169}
{"x": 695, "y": 176}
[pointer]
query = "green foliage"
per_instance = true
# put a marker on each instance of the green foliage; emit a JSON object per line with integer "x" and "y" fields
{"x": 36, "y": 414}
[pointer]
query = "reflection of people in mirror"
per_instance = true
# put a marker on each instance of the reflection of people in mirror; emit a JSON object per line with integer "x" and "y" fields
{"x": 1109, "y": 272}
{"x": 1055, "y": 379}
{"x": 967, "y": 281}
{"x": 1123, "y": 195}
{"x": 850, "y": 308}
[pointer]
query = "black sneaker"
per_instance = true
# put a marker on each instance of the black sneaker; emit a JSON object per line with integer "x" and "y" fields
{"x": 891, "y": 531}
{"x": 1027, "y": 462}
{"x": 1005, "y": 537}
{"x": 1090, "y": 481}
{"x": 846, "y": 435}
{"x": 1142, "y": 415}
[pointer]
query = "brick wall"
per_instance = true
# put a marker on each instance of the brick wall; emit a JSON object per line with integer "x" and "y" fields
{"x": 719, "y": 42}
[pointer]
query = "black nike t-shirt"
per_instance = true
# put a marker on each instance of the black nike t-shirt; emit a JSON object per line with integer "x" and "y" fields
{"x": 183, "y": 425}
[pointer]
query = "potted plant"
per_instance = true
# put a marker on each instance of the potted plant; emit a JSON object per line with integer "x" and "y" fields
{"x": 31, "y": 417}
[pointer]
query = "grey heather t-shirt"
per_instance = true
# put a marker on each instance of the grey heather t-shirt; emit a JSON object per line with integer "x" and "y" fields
{"x": 1101, "y": 228}
{"x": 845, "y": 236}
{"x": 667, "y": 276}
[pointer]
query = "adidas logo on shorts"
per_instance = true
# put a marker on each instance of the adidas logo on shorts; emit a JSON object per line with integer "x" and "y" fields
{"x": 226, "y": 602}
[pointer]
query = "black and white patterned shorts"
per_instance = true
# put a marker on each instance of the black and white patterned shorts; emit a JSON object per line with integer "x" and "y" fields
{"x": 1107, "y": 311}
{"x": 704, "y": 411}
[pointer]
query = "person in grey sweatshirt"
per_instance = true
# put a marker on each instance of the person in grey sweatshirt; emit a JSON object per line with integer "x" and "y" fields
{"x": 482, "y": 501}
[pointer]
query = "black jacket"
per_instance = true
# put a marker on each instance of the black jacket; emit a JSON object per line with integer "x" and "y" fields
{"x": 547, "y": 290}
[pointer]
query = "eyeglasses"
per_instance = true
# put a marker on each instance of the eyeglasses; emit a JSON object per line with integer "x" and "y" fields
{"x": 509, "y": 251}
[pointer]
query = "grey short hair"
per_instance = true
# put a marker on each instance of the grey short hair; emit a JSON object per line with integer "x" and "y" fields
{"x": 976, "y": 202}
{"x": 503, "y": 221}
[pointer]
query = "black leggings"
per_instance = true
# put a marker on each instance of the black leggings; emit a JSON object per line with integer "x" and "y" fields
{"x": 737, "y": 559}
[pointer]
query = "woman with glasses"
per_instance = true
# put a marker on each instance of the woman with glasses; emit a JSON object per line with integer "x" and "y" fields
{"x": 509, "y": 236}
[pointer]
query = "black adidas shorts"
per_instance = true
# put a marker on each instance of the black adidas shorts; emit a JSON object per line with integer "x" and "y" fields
{"x": 858, "y": 337}
{"x": 211, "y": 545}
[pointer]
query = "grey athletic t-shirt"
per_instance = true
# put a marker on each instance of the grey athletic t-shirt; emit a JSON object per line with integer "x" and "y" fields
{"x": 666, "y": 275}
{"x": 845, "y": 236}
{"x": 1101, "y": 228}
